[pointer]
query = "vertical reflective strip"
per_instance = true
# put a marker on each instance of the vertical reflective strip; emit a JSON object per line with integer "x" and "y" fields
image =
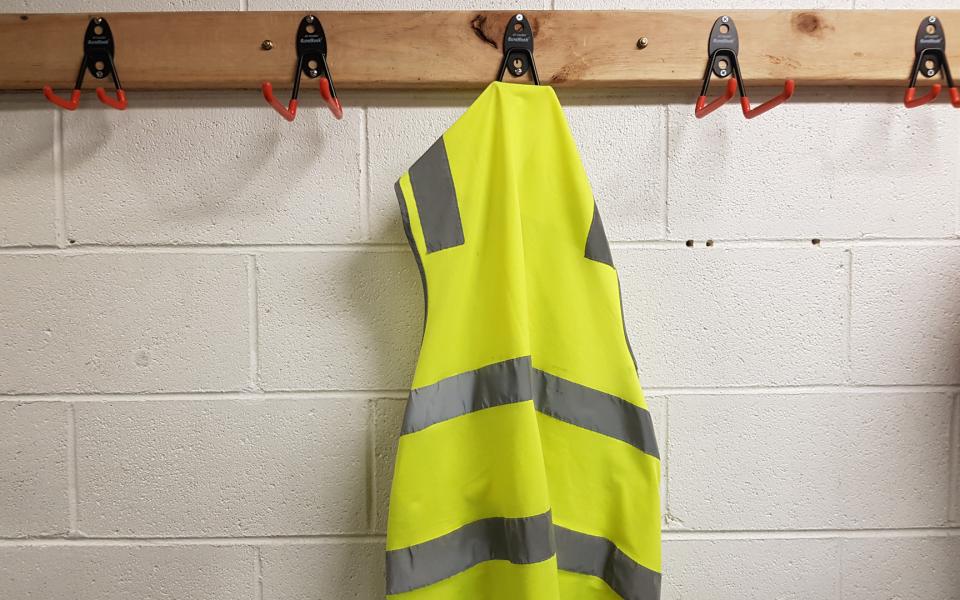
{"x": 500, "y": 383}
{"x": 594, "y": 410}
{"x": 597, "y": 556}
{"x": 597, "y": 247}
{"x": 405, "y": 217}
{"x": 436, "y": 199}
{"x": 523, "y": 540}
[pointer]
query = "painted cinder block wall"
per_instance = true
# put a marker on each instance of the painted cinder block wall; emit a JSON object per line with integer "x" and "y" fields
{"x": 208, "y": 318}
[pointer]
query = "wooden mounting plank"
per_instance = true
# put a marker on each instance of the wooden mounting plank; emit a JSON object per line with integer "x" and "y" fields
{"x": 460, "y": 49}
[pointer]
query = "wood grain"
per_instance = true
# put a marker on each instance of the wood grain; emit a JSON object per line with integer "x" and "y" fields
{"x": 460, "y": 49}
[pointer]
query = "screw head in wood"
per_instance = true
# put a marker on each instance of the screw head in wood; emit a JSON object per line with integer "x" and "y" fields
{"x": 266, "y": 45}
{"x": 643, "y": 43}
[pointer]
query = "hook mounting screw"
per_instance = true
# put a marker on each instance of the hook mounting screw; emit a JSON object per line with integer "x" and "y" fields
{"x": 266, "y": 45}
{"x": 643, "y": 43}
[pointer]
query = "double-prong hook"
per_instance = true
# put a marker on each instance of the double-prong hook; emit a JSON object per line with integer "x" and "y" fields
{"x": 312, "y": 62}
{"x": 518, "y": 49}
{"x": 723, "y": 48}
{"x": 98, "y": 59}
{"x": 930, "y": 60}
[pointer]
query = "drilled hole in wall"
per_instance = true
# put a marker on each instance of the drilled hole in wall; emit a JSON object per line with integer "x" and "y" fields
{"x": 709, "y": 243}
{"x": 815, "y": 241}
{"x": 689, "y": 243}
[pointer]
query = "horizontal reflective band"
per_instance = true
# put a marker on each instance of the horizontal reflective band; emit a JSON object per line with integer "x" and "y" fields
{"x": 597, "y": 556}
{"x": 599, "y": 412}
{"x": 515, "y": 380}
{"x": 500, "y": 383}
{"x": 521, "y": 541}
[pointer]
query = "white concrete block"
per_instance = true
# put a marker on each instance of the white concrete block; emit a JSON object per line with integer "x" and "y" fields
{"x": 33, "y": 469}
{"x": 123, "y": 323}
{"x": 339, "y": 320}
{"x": 730, "y": 569}
{"x": 124, "y": 572}
{"x": 335, "y": 570}
{"x": 901, "y": 568}
{"x": 838, "y": 164}
{"x": 398, "y": 136}
{"x": 905, "y": 319}
{"x": 222, "y": 467}
{"x": 212, "y": 169}
{"x": 27, "y": 195}
{"x": 809, "y": 461}
{"x": 622, "y": 147}
{"x": 389, "y": 420}
{"x": 752, "y": 316}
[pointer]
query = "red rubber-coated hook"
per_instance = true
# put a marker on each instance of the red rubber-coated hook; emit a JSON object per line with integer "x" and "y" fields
{"x": 703, "y": 109}
{"x": 120, "y": 103}
{"x": 955, "y": 97}
{"x": 287, "y": 112}
{"x": 910, "y": 102}
{"x": 70, "y": 104}
{"x": 332, "y": 101}
{"x": 788, "y": 87}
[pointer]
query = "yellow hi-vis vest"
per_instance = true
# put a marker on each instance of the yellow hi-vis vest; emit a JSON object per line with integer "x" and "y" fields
{"x": 527, "y": 467}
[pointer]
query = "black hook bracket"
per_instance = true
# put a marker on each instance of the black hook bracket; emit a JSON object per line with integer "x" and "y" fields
{"x": 98, "y": 49}
{"x": 723, "y": 47}
{"x": 312, "y": 62}
{"x": 930, "y": 61}
{"x": 518, "y": 49}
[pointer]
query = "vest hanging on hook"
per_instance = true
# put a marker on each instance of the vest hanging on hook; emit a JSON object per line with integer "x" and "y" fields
{"x": 98, "y": 48}
{"x": 930, "y": 61}
{"x": 312, "y": 62}
{"x": 723, "y": 47}
{"x": 518, "y": 49}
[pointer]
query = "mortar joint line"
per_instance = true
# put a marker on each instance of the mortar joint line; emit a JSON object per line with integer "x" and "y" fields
{"x": 665, "y": 152}
{"x": 371, "y": 473}
{"x": 73, "y": 494}
{"x": 253, "y": 323}
{"x": 953, "y": 501}
{"x": 60, "y": 210}
{"x": 258, "y": 572}
{"x": 365, "y": 174}
{"x": 848, "y": 338}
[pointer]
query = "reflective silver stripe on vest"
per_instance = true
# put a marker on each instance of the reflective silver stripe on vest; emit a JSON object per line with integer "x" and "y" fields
{"x": 515, "y": 381}
{"x": 500, "y": 383}
{"x": 436, "y": 199}
{"x": 597, "y": 556}
{"x": 521, "y": 541}
{"x": 599, "y": 412}
{"x": 597, "y": 247}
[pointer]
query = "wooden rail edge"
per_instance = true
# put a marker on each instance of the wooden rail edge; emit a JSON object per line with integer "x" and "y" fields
{"x": 461, "y": 49}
